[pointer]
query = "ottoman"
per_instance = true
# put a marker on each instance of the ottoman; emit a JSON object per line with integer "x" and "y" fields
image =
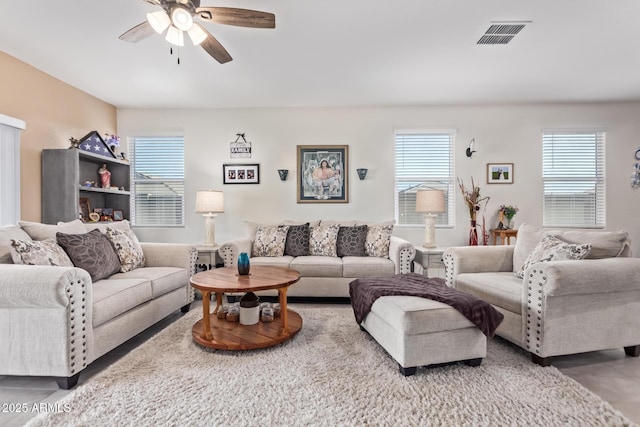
{"x": 417, "y": 331}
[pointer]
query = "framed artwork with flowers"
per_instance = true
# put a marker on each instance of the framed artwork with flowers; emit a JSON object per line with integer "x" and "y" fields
{"x": 499, "y": 173}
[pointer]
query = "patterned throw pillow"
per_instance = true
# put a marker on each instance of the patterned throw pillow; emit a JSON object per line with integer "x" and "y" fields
{"x": 323, "y": 240}
{"x": 41, "y": 252}
{"x": 129, "y": 252}
{"x": 378, "y": 240}
{"x": 351, "y": 241}
{"x": 297, "y": 240}
{"x": 92, "y": 252}
{"x": 551, "y": 248}
{"x": 270, "y": 240}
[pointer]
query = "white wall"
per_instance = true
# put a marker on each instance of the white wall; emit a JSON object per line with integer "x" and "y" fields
{"x": 503, "y": 133}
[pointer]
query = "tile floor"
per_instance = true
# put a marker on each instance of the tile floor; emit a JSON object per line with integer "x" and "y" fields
{"x": 610, "y": 374}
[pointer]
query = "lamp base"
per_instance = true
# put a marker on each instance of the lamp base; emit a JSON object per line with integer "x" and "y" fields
{"x": 430, "y": 231}
{"x": 210, "y": 230}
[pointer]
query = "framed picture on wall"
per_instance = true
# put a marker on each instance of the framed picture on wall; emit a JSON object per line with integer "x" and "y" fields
{"x": 322, "y": 173}
{"x": 499, "y": 173}
{"x": 241, "y": 174}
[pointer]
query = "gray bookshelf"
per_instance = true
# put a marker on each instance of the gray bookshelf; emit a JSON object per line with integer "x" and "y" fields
{"x": 63, "y": 173}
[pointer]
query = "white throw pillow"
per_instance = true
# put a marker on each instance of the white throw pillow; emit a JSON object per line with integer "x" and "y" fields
{"x": 270, "y": 241}
{"x": 551, "y": 248}
{"x": 378, "y": 240}
{"x": 41, "y": 252}
{"x": 129, "y": 251}
{"x": 323, "y": 240}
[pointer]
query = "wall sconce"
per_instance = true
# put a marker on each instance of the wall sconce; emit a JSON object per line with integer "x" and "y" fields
{"x": 472, "y": 147}
{"x": 362, "y": 173}
{"x": 283, "y": 174}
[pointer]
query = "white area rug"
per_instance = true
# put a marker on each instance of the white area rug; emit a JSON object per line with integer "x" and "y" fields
{"x": 330, "y": 374}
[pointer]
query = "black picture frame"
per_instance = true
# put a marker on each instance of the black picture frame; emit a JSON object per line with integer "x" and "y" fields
{"x": 316, "y": 185}
{"x": 245, "y": 173}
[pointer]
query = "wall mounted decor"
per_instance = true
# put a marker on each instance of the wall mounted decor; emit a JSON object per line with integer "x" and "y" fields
{"x": 499, "y": 173}
{"x": 283, "y": 173}
{"x": 635, "y": 178}
{"x": 241, "y": 174}
{"x": 94, "y": 144}
{"x": 471, "y": 148}
{"x": 362, "y": 173}
{"x": 240, "y": 149}
{"x": 323, "y": 173}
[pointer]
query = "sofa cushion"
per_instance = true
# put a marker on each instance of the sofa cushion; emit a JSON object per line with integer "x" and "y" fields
{"x": 551, "y": 248}
{"x": 270, "y": 240}
{"x": 323, "y": 240}
{"x": 92, "y": 252}
{"x": 102, "y": 226}
{"x": 8, "y": 233}
{"x": 163, "y": 279}
{"x": 501, "y": 289}
{"x": 112, "y": 297}
{"x": 278, "y": 261}
{"x": 39, "y": 231}
{"x": 317, "y": 266}
{"x": 297, "y": 243}
{"x": 351, "y": 240}
{"x": 129, "y": 252}
{"x": 367, "y": 267}
{"x": 378, "y": 240}
{"x": 42, "y": 252}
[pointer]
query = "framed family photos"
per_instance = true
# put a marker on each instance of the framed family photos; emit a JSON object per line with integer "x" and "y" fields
{"x": 322, "y": 173}
{"x": 241, "y": 173}
{"x": 499, "y": 173}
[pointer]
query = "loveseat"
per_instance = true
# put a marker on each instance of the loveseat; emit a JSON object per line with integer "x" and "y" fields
{"x": 579, "y": 290}
{"x": 55, "y": 319}
{"x": 328, "y": 254}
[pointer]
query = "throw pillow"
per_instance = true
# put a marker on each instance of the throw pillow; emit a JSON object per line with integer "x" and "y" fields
{"x": 551, "y": 248}
{"x": 8, "y": 233}
{"x": 129, "y": 252}
{"x": 270, "y": 240}
{"x": 39, "y": 231}
{"x": 323, "y": 239}
{"x": 297, "y": 243}
{"x": 92, "y": 252}
{"x": 378, "y": 240}
{"x": 41, "y": 252}
{"x": 351, "y": 241}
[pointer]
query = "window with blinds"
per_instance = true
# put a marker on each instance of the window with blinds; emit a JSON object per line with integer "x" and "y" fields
{"x": 573, "y": 179}
{"x": 157, "y": 177}
{"x": 424, "y": 160}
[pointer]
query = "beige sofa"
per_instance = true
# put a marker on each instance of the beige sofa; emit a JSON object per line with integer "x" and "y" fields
{"x": 327, "y": 276}
{"x": 559, "y": 307}
{"x": 55, "y": 320}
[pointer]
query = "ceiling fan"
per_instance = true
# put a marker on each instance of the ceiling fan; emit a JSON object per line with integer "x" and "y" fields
{"x": 176, "y": 17}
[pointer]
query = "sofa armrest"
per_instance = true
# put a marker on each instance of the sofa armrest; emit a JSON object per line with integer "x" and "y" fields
{"x": 229, "y": 251}
{"x": 170, "y": 255}
{"x": 476, "y": 259}
{"x": 401, "y": 252}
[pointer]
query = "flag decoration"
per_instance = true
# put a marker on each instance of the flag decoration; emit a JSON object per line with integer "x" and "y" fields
{"x": 94, "y": 144}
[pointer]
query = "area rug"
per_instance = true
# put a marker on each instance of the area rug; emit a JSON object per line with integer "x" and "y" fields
{"x": 330, "y": 374}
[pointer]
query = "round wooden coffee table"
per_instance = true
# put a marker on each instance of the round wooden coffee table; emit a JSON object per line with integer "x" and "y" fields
{"x": 218, "y": 333}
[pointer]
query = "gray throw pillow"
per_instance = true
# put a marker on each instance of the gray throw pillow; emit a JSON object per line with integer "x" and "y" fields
{"x": 297, "y": 243}
{"x": 92, "y": 252}
{"x": 351, "y": 241}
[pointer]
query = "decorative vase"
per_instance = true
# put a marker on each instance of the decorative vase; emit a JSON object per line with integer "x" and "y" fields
{"x": 509, "y": 223}
{"x": 243, "y": 264}
{"x": 473, "y": 234}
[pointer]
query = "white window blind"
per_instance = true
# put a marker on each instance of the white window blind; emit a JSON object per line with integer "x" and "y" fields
{"x": 157, "y": 176}
{"x": 424, "y": 160}
{"x": 573, "y": 178}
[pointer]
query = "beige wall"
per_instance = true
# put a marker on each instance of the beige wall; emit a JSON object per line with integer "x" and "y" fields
{"x": 54, "y": 111}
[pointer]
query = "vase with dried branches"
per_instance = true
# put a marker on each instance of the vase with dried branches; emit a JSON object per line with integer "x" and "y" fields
{"x": 474, "y": 202}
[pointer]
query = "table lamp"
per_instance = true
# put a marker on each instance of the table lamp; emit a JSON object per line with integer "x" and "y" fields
{"x": 209, "y": 203}
{"x": 430, "y": 202}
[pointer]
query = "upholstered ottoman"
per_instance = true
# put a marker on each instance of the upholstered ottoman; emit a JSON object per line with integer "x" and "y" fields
{"x": 417, "y": 331}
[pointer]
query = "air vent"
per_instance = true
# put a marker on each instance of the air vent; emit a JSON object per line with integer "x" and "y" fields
{"x": 502, "y": 32}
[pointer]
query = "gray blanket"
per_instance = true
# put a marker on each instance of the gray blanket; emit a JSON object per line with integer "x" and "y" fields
{"x": 364, "y": 292}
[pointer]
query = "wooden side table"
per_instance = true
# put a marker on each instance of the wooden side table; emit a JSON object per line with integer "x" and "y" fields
{"x": 506, "y": 233}
{"x": 428, "y": 258}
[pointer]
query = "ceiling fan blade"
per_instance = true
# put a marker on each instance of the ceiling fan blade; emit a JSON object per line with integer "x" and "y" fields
{"x": 238, "y": 17}
{"x": 215, "y": 49}
{"x": 139, "y": 32}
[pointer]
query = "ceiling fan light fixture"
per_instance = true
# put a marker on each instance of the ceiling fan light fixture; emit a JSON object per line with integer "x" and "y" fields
{"x": 159, "y": 21}
{"x": 182, "y": 19}
{"x": 197, "y": 34}
{"x": 175, "y": 36}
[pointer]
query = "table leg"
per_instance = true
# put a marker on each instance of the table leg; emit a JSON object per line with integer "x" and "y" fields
{"x": 206, "y": 320}
{"x": 218, "y": 301}
{"x": 284, "y": 322}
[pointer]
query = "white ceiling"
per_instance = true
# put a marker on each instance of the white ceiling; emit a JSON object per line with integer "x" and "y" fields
{"x": 339, "y": 53}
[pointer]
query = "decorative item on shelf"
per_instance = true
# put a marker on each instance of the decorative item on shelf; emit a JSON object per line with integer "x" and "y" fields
{"x": 89, "y": 184}
{"x": 430, "y": 202}
{"x": 233, "y": 315}
{"x": 210, "y": 203}
{"x": 471, "y": 148}
{"x": 244, "y": 265}
{"x": 118, "y": 215}
{"x": 74, "y": 143}
{"x": 283, "y": 174}
{"x": 473, "y": 201}
{"x": 85, "y": 209}
{"x": 249, "y": 309}
{"x": 362, "y": 173}
{"x": 113, "y": 141}
{"x": 105, "y": 176}
{"x": 94, "y": 217}
{"x": 94, "y": 144}
{"x": 507, "y": 212}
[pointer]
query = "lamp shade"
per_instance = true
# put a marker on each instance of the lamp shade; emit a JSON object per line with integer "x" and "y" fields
{"x": 430, "y": 201}
{"x": 159, "y": 20}
{"x": 175, "y": 36}
{"x": 209, "y": 201}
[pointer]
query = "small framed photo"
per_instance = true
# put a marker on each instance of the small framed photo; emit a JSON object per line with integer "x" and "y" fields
{"x": 118, "y": 215}
{"x": 84, "y": 209}
{"x": 499, "y": 173}
{"x": 241, "y": 173}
